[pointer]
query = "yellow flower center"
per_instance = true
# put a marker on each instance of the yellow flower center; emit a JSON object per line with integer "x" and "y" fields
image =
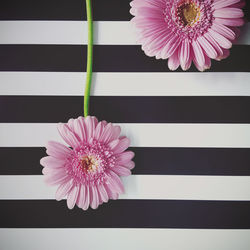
{"x": 189, "y": 13}
{"x": 88, "y": 163}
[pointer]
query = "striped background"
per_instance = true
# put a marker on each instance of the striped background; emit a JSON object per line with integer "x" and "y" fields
{"x": 190, "y": 132}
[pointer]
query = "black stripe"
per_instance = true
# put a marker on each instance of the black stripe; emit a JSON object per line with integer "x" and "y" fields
{"x": 126, "y": 214}
{"x": 107, "y": 10}
{"x": 155, "y": 161}
{"x": 167, "y": 109}
{"x": 107, "y": 58}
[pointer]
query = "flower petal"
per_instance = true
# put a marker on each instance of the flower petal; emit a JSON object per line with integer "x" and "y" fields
{"x": 221, "y": 40}
{"x": 113, "y": 144}
{"x": 228, "y": 13}
{"x": 208, "y": 48}
{"x": 121, "y": 146}
{"x": 121, "y": 171}
{"x": 81, "y": 128}
{"x": 170, "y": 47}
{"x": 91, "y": 123}
{"x": 81, "y": 196}
{"x": 55, "y": 179}
{"x": 103, "y": 193}
{"x": 224, "y": 31}
{"x": 72, "y": 197}
{"x": 51, "y": 162}
{"x": 124, "y": 157}
{"x": 63, "y": 190}
{"x": 199, "y": 57}
{"x": 185, "y": 54}
{"x": 230, "y": 21}
{"x": 94, "y": 200}
{"x": 86, "y": 202}
{"x": 115, "y": 182}
{"x": 68, "y": 135}
{"x": 99, "y": 130}
{"x": 224, "y": 3}
{"x": 214, "y": 44}
{"x": 58, "y": 150}
{"x": 130, "y": 165}
{"x": 173, "y": 61}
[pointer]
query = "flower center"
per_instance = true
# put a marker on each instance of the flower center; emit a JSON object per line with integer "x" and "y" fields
{"x": 88, "y": 163}
{"x": 188, "y": 13}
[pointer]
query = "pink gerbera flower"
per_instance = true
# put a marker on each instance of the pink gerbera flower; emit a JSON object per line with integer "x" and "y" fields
{"x": 187, "y": 30}
{"x": 88, "y": 172}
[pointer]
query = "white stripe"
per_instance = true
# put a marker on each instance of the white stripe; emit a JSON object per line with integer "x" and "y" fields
{"x": 126, "y": 84}
{"x": 124, "y": 239}
{"x": 140, "y": 134}
{"x": 173, "y": 187}
{"x": 75, "y": 32}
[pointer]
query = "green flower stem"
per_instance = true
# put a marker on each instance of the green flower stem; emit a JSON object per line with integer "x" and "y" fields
{"x": 89, "y": 58}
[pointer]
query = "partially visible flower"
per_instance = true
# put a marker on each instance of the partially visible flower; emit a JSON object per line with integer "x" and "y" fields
{"x": 187, "y": 30}
{"x": 88, "y": 173}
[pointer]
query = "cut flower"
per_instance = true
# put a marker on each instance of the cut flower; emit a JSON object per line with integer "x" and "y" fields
{"x": 186, "y": 31}
{"x": 88, "y": 173}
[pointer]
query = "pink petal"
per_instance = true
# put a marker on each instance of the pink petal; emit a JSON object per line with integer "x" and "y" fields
{"x": 81, "y": 128}
{"x": 228, "y": 13}
{"x": 207, "y": 62}
{"x": 160, "y": 41}
{"x": 214, "y": 44}
{"x": 51, "y": 162}
{"x": 110, "y": 191}
{"x": 230, "y": 22}
{"x": 81, "y": 196}
{"x": 58, "y": 150}
{"x": 221, "y": 40}
{"x": 72, "y": 196}
{"x": 115, "y": 182}
{"x": 198, "y": 54}
{"x": 113, "y": 144}
{"x": 225, "y": 54}
{"x": 208, "y": 48}
{"x": 98, "y": 130}
{"x": 107, "y": 133}
{"x": 121, "y": 171}
{"x": 50, "y": 171}
{"x": 206, "y": 65}
{"x": 116, "y": 131}
{"x": 240, "y": 4}
{"x": 170, "y": 47}
{"x": 103, "y": 193}
{"x": 86, "y": 202}
{"x": 173, "y": 61}
{"x": 155, "y": 13}
{"x": 91, "y": 123}
{"x": 68, "y": 135}
{"x": 94, "y": 200}
{"x": 224, "y": 31}
{"x": 110, "y": 133}
{"x": 55, "y": 179}
{"x": 129, "y": 165}
{"x": 63, "y": 190}
{"x": 147, "y": 3}
{"x": 124, "y": 157}
{"x": 122, "y": 145}
{"x": 185, "y": 54}
{"x": 224, "y": 3}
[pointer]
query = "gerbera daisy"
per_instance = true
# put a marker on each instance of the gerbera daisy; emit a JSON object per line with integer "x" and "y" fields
{"x": 187, "y": 30}
{"x": 88, "y": 173}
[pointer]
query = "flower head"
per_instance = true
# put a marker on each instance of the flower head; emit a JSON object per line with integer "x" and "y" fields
{"x": 88, "y": 173}
{"x": 187, "y": 30}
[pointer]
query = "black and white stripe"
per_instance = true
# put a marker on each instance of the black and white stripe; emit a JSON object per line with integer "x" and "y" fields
{"x": 190, "y": 132}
